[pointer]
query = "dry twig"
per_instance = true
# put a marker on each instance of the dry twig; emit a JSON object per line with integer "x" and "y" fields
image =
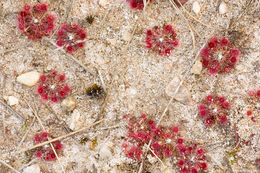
{"x": 180, "y": 12}
{"x": 9, "y": 166}
{"x": 194, "y": 18}
{"x": 71, "y": 57}
{"x": 174, "y": 94}
{"x": 39, "y": 120}
{"x": 26, "y": 133}
{"x": 69, "y": 9}
{"x": 61, "y": 137}
{"x": 157, "y": 157}
{"x": 11, "y": 109}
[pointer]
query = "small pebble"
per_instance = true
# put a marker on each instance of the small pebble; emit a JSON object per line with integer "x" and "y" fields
{"x": 103, "y": 3}
{"x": 131, "y": 92}
{"x": 196, "y": 7}
{"x": 69, "y": 103}
{"x": 105, "y": 152}
{"x": 76, "y": 120}
{"x": 196, "y": 68}
{"x": 29, "y": 78}
{"x": 12, "y": 100}
{"x": 222, "y": 8}
{"x": 126, "y": 35}
{"x": 32, "y": 169}
{"x": 183, "y": 95}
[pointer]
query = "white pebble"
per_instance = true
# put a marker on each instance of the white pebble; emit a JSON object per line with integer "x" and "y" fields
{"x": 77, "y": 120}
{"x": 222, "y": 8}
{"x": 196, "y": 7}
{"x": 103, "y": 3}
{"x": 131, "y": 92}
{"x": 126, "y": 35}
{"x": 196, "y": 68}
{"x": 32, "y": 169}
{"x": 105, "y": 152}
{"x": 183, "y": 95}
{"x": 29, "y": 78}
{"x": 12, "y": 100}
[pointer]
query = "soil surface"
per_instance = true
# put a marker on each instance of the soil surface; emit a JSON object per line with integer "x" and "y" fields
{"x": 134, "y": 80}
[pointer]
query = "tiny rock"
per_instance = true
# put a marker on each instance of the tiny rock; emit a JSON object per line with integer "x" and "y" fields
{"x": 222, "y": 8}
{"x": 126, "y": 35}
{"x": 183, "y": 95}
{"x": 151, "y": 159}
{"x": 103, "y": 3}
{"x": 196, "y": 7}
{"x": 12, "y": 100}
{"x": 76, "y": 120}
{"x": 105, "y": 152}
{"x": 32, "y": 168}
{"x": 29, "y": 78}
{"x": 69, "y": 103}
{"x": 112, "y": 41}
{"x": 131, "y": 92}
{"x": 196, "y": 68}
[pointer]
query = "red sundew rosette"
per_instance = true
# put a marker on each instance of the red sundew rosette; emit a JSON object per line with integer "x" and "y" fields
{"x": 161, "y": 40}
{"x": 53, "y": 87}
{"x": 137, "y": 4}
{"x": 219, "y": 56}
{"x": 34, "y": 22}
{"x": 71, "y": 37}
{"x": 44, "y": 152}
{"x": 214, "y": 108}
{"x": 141, "y": 130}
{"x": 191, "y": 158}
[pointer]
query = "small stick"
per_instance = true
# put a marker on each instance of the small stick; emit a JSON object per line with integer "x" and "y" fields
{"x": 178, "y": 87}
{"x": 69, "y": 9}
{"x": 11, "y": 109}
{"x": 60, "y": 137}
{"x": 65, "y": 126}
{"x": 237, "y": 137}
{"x": 194, "y": 17}
{"x": 174, "y": 94}
{"x": 26, "y": 133}
{"x": 9, "y": 166}
{"x": 102, "y": 81}
{"x": 157, "y": 157}
{"x": 39, "y": 120}
{"x": 3, "y": 117}
{"x": 72, "y": 58}
{"x": 180, "y": 12}
{"x": 3, "y": 82}
{"x": 26, "y": 165}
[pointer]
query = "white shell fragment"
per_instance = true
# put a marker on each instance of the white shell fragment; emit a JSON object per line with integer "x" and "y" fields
{"x": 12, "y": 100}
{"x": 29, "y": 78}
{"x": 222, "y": 8}
{"x": 183, "y": 95}
{"x": 196, "y": 7}
{"x": 196, "y": 68}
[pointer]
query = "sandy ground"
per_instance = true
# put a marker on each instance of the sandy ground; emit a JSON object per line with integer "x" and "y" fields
{"x": 135, "y": 79}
